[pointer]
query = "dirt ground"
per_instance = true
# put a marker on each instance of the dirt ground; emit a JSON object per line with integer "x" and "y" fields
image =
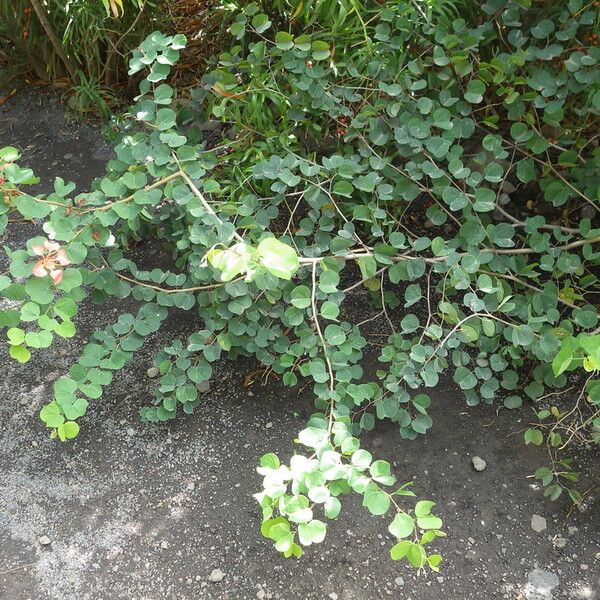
{"x": 144, "y": 512}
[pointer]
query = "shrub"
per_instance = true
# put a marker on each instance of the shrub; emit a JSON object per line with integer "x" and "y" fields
{"x": 331, "y": 137}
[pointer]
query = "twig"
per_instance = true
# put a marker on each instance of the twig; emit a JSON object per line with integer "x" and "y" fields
{"x": 313, "y": 302}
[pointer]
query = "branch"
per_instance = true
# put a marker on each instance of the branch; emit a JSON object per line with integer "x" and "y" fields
{"x": 45, "y": 23}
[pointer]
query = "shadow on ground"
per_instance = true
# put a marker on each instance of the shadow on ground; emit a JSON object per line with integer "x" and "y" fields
{"x": 143, "y": 512}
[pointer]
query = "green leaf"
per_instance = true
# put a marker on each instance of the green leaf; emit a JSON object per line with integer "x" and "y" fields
{"x": 19, "y": 353}
{"x": 423, "y": 508}
{"x": 312, "y": 533}
{"x": 166, "y": 118}
{"x": 67, "y": 430}
{"x": 300, "y": 296}
{"x": 465, "y": 378}
{"x": 513, "y": 402}
{"x": 278, "y": 258}
{"x": 475, "y": 91}
{"x": 343, "y": 188}
{"x": 400, "y": 550}
{"x": 429, "y": 522}
{"x": 376, "y": 500}
{"x": 334, "y": 335}
{"x": 51, "y": 415}
{"x": 261, "y": 23}
{"x": 534, "y": 436}
{"x": 330, "y": 310}
{"x": 9, "y": 154}
{"x": 526, "y": 170}
{"x": 284, "y": 40}
{"x": 320, "y": 50}
{"x": 328, "y": 281}
{"x": 332, "y": 507}
{"x": 402, "y": 526}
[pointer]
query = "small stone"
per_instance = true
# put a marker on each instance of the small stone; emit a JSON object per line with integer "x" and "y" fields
{"x": 152, "y": 372}
{"x": 44, "y": 540}
{"x": 191, "y": 486}
{"x": 538, "y": 524}
{"x": 269, "y": 425}
{"x": 399, "y": 581}
{"x": 164, "y": 545}
{"x": 260, "y": 594}
{"x": 203, "y": 386}
{"x": 584, "y": 567}
{"x": 216, "y": 575}
{"x": 540, "y": 584}
{"x": 588, "y": 212}
{"x": 130, "y": 431}
{"x": 478, "y": 463}
{"x": 333, "y": 596}
{"x": 560, "y": 542}
{"x": 504, "y": 199}
{"x": 23, "y": 401}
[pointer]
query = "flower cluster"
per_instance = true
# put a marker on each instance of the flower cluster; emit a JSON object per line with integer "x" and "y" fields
{"x": 53, "y": 257}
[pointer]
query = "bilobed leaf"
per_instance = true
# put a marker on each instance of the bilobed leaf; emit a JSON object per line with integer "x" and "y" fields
{"x": 312, "y": 533}
{"x": 402, "y": 526}
{"x": 278, "y": 258}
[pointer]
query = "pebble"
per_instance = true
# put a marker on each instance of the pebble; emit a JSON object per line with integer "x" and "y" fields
{"x": 478, "y": 463}
{"x": 399, "y": 581}
{"x": 560, "y": 542}
{"x": 44, "y": 540}
{"x": 260, "y": 594}
{"x": 538, "y": 524}
{"x": 164, "y": 545}
{"x": 269, "y": 425}
{"x": 333, "y": 596}
{"x": 130, "y": 431}
{"x": 584, "y": 567}
{"x": 540, "y": 584}
{"x": 152, "y": 372}
{"x": 216, "y": 576}
{"x": 203, "y": 386}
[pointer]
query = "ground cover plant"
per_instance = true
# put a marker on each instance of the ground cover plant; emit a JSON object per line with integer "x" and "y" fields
{"x": 450, "y": 165}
